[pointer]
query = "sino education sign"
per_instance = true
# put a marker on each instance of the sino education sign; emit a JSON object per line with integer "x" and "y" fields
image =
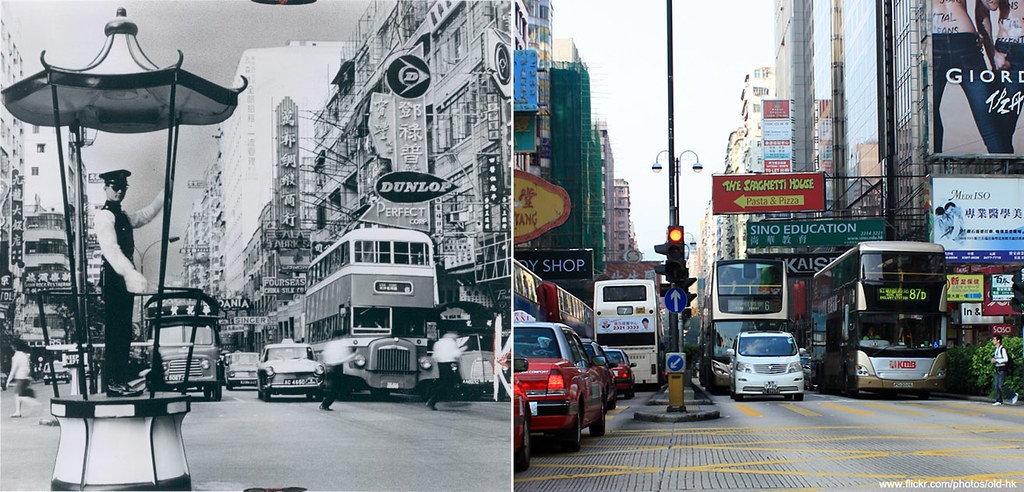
{"x": 767, "y": 193}
{"x": 814, "y": 232}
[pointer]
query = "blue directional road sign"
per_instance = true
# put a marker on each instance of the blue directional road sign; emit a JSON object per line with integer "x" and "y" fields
{"x": 675, "y": 361}
{"x": 675, "y": 300}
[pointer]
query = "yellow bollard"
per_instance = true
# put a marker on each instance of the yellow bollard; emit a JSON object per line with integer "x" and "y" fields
{"x": 675, "y": 362}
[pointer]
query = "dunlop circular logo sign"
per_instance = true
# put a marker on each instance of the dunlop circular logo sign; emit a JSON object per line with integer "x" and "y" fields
{"x": 408, "y": 76}
{"x": 412, "y": 187}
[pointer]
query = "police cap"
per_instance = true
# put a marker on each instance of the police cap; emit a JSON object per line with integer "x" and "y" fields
{"x": 119, "y": 176}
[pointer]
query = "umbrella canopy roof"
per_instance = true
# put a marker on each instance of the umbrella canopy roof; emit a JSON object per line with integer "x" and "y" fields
{"x": 120, "y": 91}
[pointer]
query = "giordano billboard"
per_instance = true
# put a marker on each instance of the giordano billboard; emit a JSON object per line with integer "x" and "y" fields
{"x": 977, "y": 53}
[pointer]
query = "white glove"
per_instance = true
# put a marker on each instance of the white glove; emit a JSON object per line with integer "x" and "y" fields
{"x": 135, "y": 282}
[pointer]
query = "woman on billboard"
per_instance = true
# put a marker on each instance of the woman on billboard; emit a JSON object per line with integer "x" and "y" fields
{"x": 958, "y": 57}
{"x": 1008, "y": 55}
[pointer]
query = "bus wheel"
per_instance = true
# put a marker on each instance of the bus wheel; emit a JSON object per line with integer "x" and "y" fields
{"x": 572, "y": 437}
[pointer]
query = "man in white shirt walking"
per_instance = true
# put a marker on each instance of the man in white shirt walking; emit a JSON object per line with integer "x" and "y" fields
{"x": 999, "y": 358}
{"x": 446, "y": 354}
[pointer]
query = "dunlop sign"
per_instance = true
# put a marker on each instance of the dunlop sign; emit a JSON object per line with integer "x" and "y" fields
{"x": 412, "y": 187}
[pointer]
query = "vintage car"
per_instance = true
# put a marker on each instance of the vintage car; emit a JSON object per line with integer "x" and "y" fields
{"x": 240, "y": 369}
{"x": 189, "y": 344}
{"x": 610, "y": 394}
{"x": 520, "y": 418}
{"x": 622, "y": 369}
{"x": 562, "y": 385}
{"x": 60, "y": 373}
{"x": 289, "y": 368}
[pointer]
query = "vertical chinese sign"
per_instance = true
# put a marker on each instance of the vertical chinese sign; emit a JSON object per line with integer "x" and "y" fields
{"x": 777, "y": 136}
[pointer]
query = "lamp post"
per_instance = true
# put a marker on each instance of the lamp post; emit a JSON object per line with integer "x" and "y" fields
{"x": 142, "y": 270}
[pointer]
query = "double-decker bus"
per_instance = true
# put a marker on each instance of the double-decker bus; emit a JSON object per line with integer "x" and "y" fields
{"x": 883, "y": 307}
{"x": 745, "y": 295}
{"x": 626, "y": 317}
{"x": 376, "y": 290}
{"x": 547, "y": 301}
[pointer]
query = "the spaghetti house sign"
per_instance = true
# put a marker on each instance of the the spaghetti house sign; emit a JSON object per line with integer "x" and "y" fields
{"x": 767, "y": 193}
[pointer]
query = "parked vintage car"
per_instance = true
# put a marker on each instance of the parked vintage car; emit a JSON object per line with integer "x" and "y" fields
{"x": 289, "y": 368}
{"x": 240, "y": 369}
{"x": 520, "y": 418}
{"x": 562, "y": 385}
{"x": 622, "y": 369}
{"x": 608, "y": 388}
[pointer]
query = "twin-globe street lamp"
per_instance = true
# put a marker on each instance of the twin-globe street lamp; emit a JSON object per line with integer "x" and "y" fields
{"x": 675, "y": 339}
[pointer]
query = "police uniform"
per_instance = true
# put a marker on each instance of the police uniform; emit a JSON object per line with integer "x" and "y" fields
{"x": 119, "y": 278}
{"x": 446, "y": 353}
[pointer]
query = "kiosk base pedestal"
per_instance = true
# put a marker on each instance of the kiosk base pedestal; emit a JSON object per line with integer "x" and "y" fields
{"x": 121, "y": 444}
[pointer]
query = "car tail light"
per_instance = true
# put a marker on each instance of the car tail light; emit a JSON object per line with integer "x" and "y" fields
{"x": 556, "y": 384}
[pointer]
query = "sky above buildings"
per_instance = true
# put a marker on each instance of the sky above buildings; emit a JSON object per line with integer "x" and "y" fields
{"x": 715, "y": 45}
{"x": 211, "y": 34}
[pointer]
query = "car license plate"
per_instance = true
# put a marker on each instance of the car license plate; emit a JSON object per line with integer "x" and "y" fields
{"x": 903, "y": 384}
{"x": 300, "y": 381}
{"x": 391, "y": 385}
{"x": 533, "y": 408}
{"x": 175, "y": 377}
{"x": 770, "y": 388}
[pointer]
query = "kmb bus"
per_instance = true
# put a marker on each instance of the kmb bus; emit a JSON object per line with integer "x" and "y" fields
{"x": 745, "y": 295}
{"x": 882, "y": 306}
{"x": 376, "y": 290}
{"x": 626, "y": 317}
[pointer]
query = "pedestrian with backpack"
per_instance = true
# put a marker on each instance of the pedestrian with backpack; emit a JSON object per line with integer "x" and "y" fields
{"x": 1002, "y": 361}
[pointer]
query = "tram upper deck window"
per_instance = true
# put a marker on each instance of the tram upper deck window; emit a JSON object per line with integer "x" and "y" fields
{"x": 410, "y": 253}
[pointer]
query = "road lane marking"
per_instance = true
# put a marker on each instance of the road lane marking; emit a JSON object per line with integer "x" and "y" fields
{"x": 894, "y": 409}
{"x": 998, "y": 409}
{"x": 847, "y": 409}
{"x": 617, "y": 410}
{"x": 798, "y": 409}
{"x": 747, "y": 409}
{"x": 950, "y": 410}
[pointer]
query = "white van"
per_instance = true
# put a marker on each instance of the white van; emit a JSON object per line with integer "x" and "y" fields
{"x": 766, "y": 363}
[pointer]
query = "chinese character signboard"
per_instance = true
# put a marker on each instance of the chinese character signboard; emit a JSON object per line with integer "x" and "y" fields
{"x": 409, "y": 78}
{"x": 777, "y": 135}
{"x": 767, "y": 193}
{"x": 526, "y": 86}
{"x": 288, "y": 190}
{"x": 978, "y": 218}
{"x": 539, "y": 206}
{"x": 964, "y": 288}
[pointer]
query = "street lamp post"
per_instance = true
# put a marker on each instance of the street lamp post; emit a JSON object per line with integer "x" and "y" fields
{"x": 142, "y": 270}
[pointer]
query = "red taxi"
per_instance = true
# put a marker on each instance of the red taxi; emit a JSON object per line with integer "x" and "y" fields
{"x": 562, "y": 385}
{"x": 622, "y": 369}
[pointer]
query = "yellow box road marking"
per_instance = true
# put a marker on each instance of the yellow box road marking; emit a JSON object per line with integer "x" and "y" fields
{"x": 747, "y": 409}
{"x": 802, "y": 411}
{"x": 846, "y": 409}
{"x": 894, "y": 409}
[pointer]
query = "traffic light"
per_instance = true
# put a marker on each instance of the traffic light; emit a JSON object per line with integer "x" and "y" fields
{"x": 674, "y": 269}
{"x": 1017, "y": 303}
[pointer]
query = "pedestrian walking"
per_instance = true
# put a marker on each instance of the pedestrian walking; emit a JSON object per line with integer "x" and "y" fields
{"x": 1000, "y": 358}
{"x": 21, "y": 376}
{"x": 446, "y": 355}
{"x": 119, "y": 278}
{"x": 336, "y": 353}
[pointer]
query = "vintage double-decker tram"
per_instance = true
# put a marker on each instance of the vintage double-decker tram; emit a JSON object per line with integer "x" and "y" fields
{"x": 376, "y": 290}
{"x": 883, "y": 307}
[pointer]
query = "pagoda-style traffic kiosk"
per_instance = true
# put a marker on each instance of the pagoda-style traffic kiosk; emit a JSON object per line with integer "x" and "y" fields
{"x": 107, "y": 443}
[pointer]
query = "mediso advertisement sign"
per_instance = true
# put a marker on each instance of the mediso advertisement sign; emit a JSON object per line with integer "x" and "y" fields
{"x": 974, "y": 111}
{"x": 978, "y": 218}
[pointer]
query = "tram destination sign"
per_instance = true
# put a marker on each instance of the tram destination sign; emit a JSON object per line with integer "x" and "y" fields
{"x": 814, "y": 232}
{"x": 767, "y": 193}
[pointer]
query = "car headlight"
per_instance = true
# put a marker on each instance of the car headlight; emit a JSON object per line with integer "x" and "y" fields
{"x": 743, "y": 367}
{"x": 166, "y": 366}
{"x": 205, "y": 364}
{"x": 426, "y": 363}
{"x": 270, "y": 371}
{"x": 359, "y": 361}
{"x": 231, "y": 374}
{"x": 795, "y": 367}
{"x": 319, "y": 369}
